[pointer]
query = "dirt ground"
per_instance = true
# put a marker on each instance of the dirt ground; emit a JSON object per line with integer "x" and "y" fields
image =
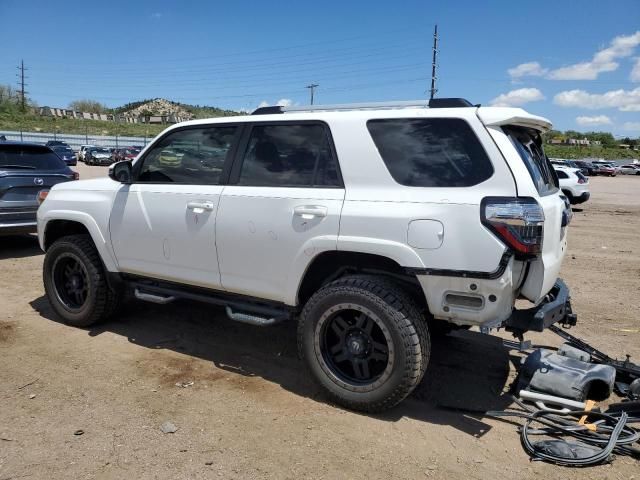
{"x": 252, "y": 410}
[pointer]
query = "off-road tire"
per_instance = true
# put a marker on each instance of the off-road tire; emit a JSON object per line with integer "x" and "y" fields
{"x": 404, "y": 322}
{"x": 102, "y": 301}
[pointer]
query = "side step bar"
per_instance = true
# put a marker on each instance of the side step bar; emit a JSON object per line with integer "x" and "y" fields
{"x": 236, "y": 309}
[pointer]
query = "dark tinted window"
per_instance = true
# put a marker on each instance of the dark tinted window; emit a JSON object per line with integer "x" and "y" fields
{"x": 561, "y": 174}
{"x": 24, "y": 157}
{"x": 438, "y": 152}
{"x": 294, "y": 155}
{"x": 529, "y": 146}
{"x": 194, "y": 156}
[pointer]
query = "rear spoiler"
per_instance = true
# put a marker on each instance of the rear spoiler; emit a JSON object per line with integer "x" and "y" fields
{"x": 499, "y": 116}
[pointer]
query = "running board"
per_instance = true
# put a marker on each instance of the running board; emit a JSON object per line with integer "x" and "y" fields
{"x": 253, "y": 319}
{"x": 153, "y": 298}
{"x": 237, "y": 309}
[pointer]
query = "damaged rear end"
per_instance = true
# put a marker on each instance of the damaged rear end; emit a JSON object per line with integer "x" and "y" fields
{"x": 534, "y": 223}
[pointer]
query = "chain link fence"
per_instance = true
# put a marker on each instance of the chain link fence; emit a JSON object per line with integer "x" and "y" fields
{"x": 75, "y": 141}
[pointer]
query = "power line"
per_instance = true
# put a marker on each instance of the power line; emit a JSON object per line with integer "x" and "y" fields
{"x": 312, "y": 88}
{"x": 433, "y": 63}
{"x": 21, "y": 85}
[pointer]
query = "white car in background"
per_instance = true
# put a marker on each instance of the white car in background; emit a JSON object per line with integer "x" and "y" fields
{"x": 82, "y": 152}
{"x": 631, "y": 169}
{"x": 573, "y": 184}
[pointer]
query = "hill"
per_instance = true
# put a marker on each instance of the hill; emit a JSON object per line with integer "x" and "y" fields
{"x": 161, "y": 106}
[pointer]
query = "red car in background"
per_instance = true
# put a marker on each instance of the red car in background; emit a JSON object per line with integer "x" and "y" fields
{"x": 125, "y": 153}
{"x": 607, "y": 170}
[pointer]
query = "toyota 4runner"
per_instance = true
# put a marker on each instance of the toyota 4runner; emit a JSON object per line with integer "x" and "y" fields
{"x": 375, "y": 226}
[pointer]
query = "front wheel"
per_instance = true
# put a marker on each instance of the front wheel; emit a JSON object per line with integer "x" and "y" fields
{"x": 365, "y": 341}
{"x": 75, "y": 282}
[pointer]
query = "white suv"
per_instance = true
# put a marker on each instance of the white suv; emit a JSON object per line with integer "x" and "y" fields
{"x": 373, "y": 226}
{"x": 573, "y": 184}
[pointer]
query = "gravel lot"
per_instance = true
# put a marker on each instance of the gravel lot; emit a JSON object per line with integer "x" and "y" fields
{"x": 252, "y": 411}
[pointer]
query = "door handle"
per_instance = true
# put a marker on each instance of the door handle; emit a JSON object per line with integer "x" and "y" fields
{"x": 202, "y": 206}
{"x": 310, "y": 211}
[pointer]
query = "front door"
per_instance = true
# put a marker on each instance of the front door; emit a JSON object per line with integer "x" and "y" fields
{"x": 164, "y": 224}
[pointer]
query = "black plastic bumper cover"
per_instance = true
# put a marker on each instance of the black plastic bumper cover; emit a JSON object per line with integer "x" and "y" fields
{"x": 557, "y": 308}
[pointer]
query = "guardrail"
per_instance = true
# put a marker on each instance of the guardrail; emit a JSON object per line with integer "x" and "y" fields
{"x": 75, "y": 141}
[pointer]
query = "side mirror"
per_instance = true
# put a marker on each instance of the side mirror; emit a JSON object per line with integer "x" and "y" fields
{"x": 121, "y": 172}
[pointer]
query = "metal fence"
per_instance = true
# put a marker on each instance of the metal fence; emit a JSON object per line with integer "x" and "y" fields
{"x": 75, "y": 141}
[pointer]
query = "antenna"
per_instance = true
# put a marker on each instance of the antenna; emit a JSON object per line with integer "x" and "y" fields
{"x": 433, "y": 63}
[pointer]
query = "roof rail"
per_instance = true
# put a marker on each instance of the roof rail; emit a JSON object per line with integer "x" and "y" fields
{"x": 433, "y": 103}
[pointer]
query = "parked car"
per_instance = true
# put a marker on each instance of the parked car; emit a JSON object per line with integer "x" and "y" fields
{"x": 27, "y": 172}
{"x": 606, "y": 169}
{"x": 83, "y": 151}
{"x": 631, "y": 169}
{"x": 56, "y": 143}
{"x": 357, "y": 222}
{"x": 587, "y": 168}
{"x": 98, "y": 156}
{"x": 127, "y": 153}
{"x": 573, "y": 184}
{"x": 67, "y": 155}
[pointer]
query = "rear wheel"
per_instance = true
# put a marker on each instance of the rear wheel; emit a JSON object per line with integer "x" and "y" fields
{"x": 75, "y": 282}
{"x": 365, "y": 341}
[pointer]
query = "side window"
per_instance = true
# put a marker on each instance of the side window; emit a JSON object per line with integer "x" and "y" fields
{"x": 292, "y": 155}
{"x": 561, "y": 174}
{"x": 431, "y": 152}
{"x": 193, "y": 156}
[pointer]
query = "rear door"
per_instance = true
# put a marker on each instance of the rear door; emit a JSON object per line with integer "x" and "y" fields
{"x": 281, "y": 207}
{"x": 164, "y": 224}
{"x": 544, "y": 271}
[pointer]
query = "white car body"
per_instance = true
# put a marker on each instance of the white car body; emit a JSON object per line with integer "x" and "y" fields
{"x": 630, "y": 169}
{"x": 82, "y": 151}
{"x": 573, "y": 184}
{"x": 260, "y": 241}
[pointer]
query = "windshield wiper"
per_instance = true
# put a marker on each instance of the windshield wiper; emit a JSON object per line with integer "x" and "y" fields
{"x": 25, "y": 167}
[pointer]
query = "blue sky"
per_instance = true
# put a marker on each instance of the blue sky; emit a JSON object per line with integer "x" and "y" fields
{"x": 581, "y": 59}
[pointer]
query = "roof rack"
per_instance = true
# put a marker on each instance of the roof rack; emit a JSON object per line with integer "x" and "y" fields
{"x": 433, "y": 103}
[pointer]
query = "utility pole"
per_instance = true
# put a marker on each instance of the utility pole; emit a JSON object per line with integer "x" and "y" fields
{"x": 433, "y": 63}
{"x": 21, "y": 84}
{"x": 312, "y": 87}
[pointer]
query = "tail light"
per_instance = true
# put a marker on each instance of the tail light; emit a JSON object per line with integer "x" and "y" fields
{"x": 518, "y": 222}
{"x": 42, "y": 195}
{"x": 74, "y": 175}
{"x": 582, "y": 180}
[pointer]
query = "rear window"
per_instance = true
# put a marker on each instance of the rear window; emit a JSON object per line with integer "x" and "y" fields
{"x": 22, "y": 157}
{"x": 580, "y": 176}
{"x": 528, "y": 143}
{"x": 431, "y": 152}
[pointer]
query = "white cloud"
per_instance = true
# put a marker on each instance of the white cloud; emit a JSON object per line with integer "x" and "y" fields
{"x": 602, "y": 61}
{"x": 586, "y": 121}
{"x": 635, "y": 72}
{"x": 623, "y": 100}
{"x": 517, "y": 97}
{"x": 633, "y": 126}
{"x": 530, "y": 69}
{"x": 283, "y": 102}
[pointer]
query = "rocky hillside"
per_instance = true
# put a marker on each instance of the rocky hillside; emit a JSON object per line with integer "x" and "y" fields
{"x": 161, "y": 106}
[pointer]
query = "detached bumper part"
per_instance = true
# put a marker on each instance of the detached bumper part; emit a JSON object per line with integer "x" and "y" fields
{"x": 556, "y": 309}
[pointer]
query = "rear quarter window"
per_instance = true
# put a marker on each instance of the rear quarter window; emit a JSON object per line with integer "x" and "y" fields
{"x": 431, "y": 152}
{"x": 23, "y": 157}
{"x": 529, "y": 146}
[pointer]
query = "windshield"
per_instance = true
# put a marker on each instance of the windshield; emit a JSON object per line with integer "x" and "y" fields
{"x": 528, "y": 143}
{"x": 100, "y": 150}
{"x": 21, "y": 157}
